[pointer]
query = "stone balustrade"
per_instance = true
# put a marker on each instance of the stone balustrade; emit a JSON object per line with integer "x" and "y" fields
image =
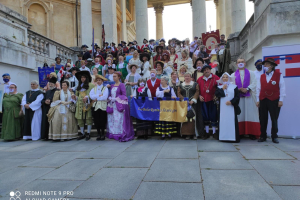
{"x": 43, "y": 46}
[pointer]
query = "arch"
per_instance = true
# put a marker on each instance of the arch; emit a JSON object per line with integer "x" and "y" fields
{"x": 37, "y": 17}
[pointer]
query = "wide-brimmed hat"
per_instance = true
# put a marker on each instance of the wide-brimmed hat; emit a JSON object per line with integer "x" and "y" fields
{"x": 145, "y": 39}
{"x": 204, "y": 67}
{"x": 90, "y": 60}
{"x": 142, "y": 55}
{"x": 83, "y": 73}
{"x": 183, "y": 66}
{"x": 74, "y": 68}
{"x": 113, "y": 43}
{"x": 270, "y": 60}
{"x": 195, "y": 65}
{"x": 109, "y": 58}
{"x": 97, "y": 76}
{"x": 161, "y": 62}
{"x": 131, "y": 65}
{"x": 124, "y": 42}
{"x": 158, "y": 46}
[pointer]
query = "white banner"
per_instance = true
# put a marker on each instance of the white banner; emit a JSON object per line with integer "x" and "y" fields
{"x": 288, "y": 60}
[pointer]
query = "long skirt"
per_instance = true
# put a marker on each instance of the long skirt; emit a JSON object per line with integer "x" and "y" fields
{"x": 63, "y": 126}
{"x": 163, "y": 127}
{"x": 143, "y": 127}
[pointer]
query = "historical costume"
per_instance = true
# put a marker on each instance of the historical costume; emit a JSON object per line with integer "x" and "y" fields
{"x": 12, "y": 121}
{"x": 224, "y": 60}
{"x": 208, "y": 85}
{"x": 45, "y": 108}
{"x": 119, "y": 125}
{"x": 194, "y": 122}
{"x": 159, "y": 69}
{"x": 182, "y": 70}
{"x": 85, "y": 53}
{"x": 270, "y": 95}
{"x": 57, "y": 84}
{"x": 83, "y": 110}
{"x": 249, "y": 118}
{"x": 198, "y": 69}
{"x": 186, "y": 60}
{"x": 145, "y": 66}
{"x": 6, "y": 80}
{"x": 109, "y": 64}
{"x": 153, "y": 84}
{"x": 159, "y": 51}
{"x": 122, "y": 67}
{"x": 143, "y": 127}
{"x": 259, "y": 69}
{"x": 62, "y": 122}
{"x": 135, "y": 60}
{"x": 164, "y": 127}
{"x": 33, "y": 114}
{"x": 58, "y": 64}
{"x": 131, "y": 78}
{"x": 73, "y": 82}
{"x": 168, "y": 65}
{"x": 99, "y": 95}
{"x": 228, "y": 122}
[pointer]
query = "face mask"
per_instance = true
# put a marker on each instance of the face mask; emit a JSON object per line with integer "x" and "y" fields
{"x": 241, "y": 65}
{"x": 221, "y": 47}
{"x": 258, "y": 67}
{"x": 199, "y": 68}
{"x": 266, "y": 69}
{"x": 204, "y": 50}
{"x": 83, "y": 67}
{"x": 5, "y": 80}
{"x": 11, "y": 90}
{"x": 152, "y": 75}
{"x": 142, "y": 84}
{"x": 68, "y": 68}
{"x": 109, "y": 61}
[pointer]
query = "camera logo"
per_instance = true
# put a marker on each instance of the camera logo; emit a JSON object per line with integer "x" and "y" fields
{"x": 15, "y": 195}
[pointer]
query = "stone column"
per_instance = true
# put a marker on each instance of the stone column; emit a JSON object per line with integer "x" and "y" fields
{"x": 159, "y": 20}
{"x": 141, "y": 15}
{"x": 86, "y": 22}
{"x": 222, "y": 17}
{"x": 124, "y": 26}
{"x": 109, "y": 19}
{"x": 228, "y": 17}
{"x": 199, "y": 17}
{"x": 238, "y": 15}
{"x": 217, "y": 14}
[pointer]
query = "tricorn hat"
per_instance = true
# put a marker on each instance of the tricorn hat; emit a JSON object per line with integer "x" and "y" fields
{"x": 270, "y": 60}
{"x": 145, "y": 39}
{"x": 86, "y": 46}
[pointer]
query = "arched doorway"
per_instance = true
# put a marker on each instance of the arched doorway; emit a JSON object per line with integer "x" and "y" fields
{"x": 37, "y": 17}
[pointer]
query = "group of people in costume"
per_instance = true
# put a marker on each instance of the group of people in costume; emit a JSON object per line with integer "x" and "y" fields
{"x": 97, "y": 90}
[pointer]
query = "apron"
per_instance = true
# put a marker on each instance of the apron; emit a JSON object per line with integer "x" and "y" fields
{"x": 227, "y": 116}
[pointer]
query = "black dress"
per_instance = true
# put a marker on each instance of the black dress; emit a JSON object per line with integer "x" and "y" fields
{"x": 235, "y": 102}
{"x": 143, "y": 127}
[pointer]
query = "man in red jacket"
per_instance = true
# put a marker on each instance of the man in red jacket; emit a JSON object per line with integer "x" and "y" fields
{"x": 153, "y": 83}
{"x": 270, "y": 91}
{"x": 207, "y": 88}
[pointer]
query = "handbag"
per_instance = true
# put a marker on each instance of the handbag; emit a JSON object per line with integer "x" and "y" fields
{"x": 190, "y": 113}
{"x": 109, "y": 108}
{"x": 72, "y": 107}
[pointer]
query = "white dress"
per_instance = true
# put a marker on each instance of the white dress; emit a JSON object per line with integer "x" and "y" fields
{"x": 188, "y": 62}
{"x": 136, "y": 62}
{"x": 146, "y": 70}
{"x": 115, "y": 120}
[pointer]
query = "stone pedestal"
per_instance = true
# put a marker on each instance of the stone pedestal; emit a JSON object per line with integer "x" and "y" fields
{"x": 238, "y": 15}
{"x": 199, "y": 17}
{"x": 159, "y": 21}
{"x": 86, "y": 22}
{"x": 141, "y": 13}
{"x": 109, "y": 19}
{"x": 124, "y": 25}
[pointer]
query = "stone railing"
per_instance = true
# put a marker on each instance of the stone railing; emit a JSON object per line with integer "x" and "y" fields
{"x": 45, "y": 47}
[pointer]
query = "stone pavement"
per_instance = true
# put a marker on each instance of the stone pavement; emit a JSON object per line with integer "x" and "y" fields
{"x": 151, "y": 169}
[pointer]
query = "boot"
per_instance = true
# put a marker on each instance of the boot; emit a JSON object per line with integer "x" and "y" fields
{"x": 102, "y": 134}
{"x": 99, "y": 134}
{"x": 88, "y": 136}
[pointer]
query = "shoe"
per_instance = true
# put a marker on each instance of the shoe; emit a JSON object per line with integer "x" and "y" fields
{"x": 275, "y": 140}
{"x": 163, "y": 137}
{"x": 87, "y": 137}
{"x": 261, "y": 140}
{"x": 98, "y": 137}
{"x": 195, "y": 137}
{"x": 187, "y": 137}
{"x": 102, "y": 138}
{"x": 81, "y": 136}
{"x": 252, "y": 137}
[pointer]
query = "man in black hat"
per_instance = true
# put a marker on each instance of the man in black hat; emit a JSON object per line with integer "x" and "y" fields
{"x": 106, "y": 44}
{"x": 125, "y": 49}
{"x": 135, "y": 44}
{"x": 84, "y": 52}
{"x": 145, "y": 44}
{"x": 151, "y": 45}
{"x": 90, "y": 63}
{"x": 47, "y": 100}
{"x": 270, "y": 91}
{"x": 72, "y": 79}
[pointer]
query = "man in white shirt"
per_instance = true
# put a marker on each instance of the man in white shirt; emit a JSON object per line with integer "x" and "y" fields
{"x": 270, "y": 91}
{"x": 193, "y": 46}
{"x": 6, "y": 80}
{"x": 83, "y": 67}
{"x": 259, "y": 70}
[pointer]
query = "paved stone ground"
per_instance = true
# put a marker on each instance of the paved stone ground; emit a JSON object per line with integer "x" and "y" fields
{"x": 153, "y": 169}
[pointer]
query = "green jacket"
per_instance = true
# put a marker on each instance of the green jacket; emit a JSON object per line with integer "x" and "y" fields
{"x": 80, "y": 105}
